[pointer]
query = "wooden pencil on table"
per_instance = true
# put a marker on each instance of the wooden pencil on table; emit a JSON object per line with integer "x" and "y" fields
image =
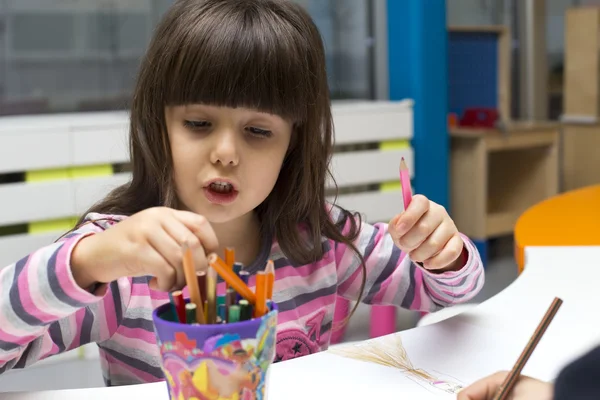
{"x": 503, "y": 392}
{"x": 192, "y": 282}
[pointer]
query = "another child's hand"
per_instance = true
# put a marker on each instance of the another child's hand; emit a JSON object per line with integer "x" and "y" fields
{"x": 525, "y": 389}
{"x": 147, "y": 243}
{"x": 427, "y": 233}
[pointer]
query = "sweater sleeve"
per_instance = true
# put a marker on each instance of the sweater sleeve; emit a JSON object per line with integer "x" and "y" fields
{"x": 392, "y": 278}
{"x": 44, "y": 312}
{"x": 579, "y": 380}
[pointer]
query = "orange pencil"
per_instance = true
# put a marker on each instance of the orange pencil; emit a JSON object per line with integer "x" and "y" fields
{"x": 229, "y": 257}
{"x": 229, "y": 260}
{"x": 192, "y": 282}
{"x": 270, "y": 271}
{"x": 231, "y": 278}
{"x": 260, "y": 307}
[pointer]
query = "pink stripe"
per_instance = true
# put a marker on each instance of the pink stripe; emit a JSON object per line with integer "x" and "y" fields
{"x": 118, "y": 368}
{"x": 25, "y": 295}
{"x": 290, "y": 280}
{"x": 134, "y": 342}
{"x": 63, "y": 272}
{"x": 137, "y": 334}
{"x": 418, "y": 301}
{"x": 18, "y": 340}
{"x": 76, "y": 339}
{"x": 306, "y": 308}
{"x": 110, "y": 314}
{"x": 105, "y": 332}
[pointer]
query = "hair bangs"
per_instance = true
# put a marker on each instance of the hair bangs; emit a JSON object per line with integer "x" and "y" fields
{"x": 261, "y": 66}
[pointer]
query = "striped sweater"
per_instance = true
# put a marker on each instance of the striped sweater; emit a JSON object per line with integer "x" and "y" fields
{"x": 43, "y": 312}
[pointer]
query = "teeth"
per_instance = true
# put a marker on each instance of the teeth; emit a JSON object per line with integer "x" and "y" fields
{"x": 222, "y": 187}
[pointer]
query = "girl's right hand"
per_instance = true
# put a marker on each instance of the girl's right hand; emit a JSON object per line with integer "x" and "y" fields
{"x": 147, "y": 243}
{"x": 526, "y": 388}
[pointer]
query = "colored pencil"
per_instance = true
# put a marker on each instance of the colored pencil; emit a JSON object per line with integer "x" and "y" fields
{"x": 211, "y": 296}
{"x": 190, "y": 312}
{"x": 260, "y": 308}
{"x": 230, "y": 297}
{"x": 503, "y": 392}
{"x": 237, "y": 268}
{"x": 192, "y": 282}
{"x": 245, "y": 310}
{"x": 222, "y": 312}
{"x": 245, "y": 277}
{"x": 270, "y": 271}
{"x": 405, "y": 184}
{"x": 229, "y": 257}
{"x": 201, "y": 278}
{"x": 232, "y": 279}
{"x": 179, "y": 304}
{"x": 234, "y": 314}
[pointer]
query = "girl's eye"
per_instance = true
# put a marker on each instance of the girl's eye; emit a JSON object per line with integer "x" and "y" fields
{"x": 259, "y": 132}
{"x": 196, "y": 125}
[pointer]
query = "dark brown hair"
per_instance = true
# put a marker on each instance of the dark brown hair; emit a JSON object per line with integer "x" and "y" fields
{"x": 261, "y": 54}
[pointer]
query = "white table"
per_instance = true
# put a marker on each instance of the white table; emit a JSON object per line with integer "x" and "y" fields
{"x": 505, "y": 321}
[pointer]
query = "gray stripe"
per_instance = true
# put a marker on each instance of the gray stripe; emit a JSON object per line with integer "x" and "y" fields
{"x": 133, "y": 353}
{"x": 405, "y": 286}
{"x": 44, "y": 282}
{"x": 55, "y": 285}
{"x": 57, "y": 336}
{"x": 116, "y": 297}
{"x": 86, "y": 327}
{"x": 388, "y": 270}
{"x": 139, "y": 312}
{"x": 140, "y": 280}
{"x": 138, "y": 323}
{"x": 299, "y": 290}
{"x": 15, "y": 297}
{"x": 409, "y": 296}
{"x": 122, "y": 380}
{"x": 8, "y": 346}
{"x": 136, "y": 362}
{"x": 305, "y": 298}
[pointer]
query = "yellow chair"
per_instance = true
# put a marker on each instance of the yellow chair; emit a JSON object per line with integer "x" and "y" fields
{"x": 568, "y": 219}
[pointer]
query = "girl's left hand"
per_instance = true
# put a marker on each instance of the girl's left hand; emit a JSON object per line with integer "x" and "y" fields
{"x": 427, "y": 233}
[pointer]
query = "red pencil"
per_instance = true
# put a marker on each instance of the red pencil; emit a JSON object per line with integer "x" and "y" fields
{"x": 179, "y": 305}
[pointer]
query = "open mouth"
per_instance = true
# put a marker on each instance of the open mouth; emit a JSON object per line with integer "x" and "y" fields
{"x": 220, "y": 192}
{"x": 221, "y": 187}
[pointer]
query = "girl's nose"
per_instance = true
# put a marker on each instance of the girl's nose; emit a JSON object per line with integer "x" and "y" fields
{"x": 225, "y": 149}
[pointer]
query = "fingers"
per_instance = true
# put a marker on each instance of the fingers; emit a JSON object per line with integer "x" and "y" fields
{"x": 449, "y": 253}
{"x": 433, "y": 244}
{"x": 167, "y": 263}
{"x": 483, "y": 389}
{"x": 421, "y": 231}
{"x": 407, "y": 220}
{"x": 181, "y": 234}
{"x": 200, "y": 227}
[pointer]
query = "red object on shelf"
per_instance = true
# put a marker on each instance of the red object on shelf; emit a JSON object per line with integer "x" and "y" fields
{"x": 480, "y": 117}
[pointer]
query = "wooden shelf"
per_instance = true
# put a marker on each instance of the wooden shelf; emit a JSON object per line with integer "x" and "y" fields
{"x": 496, "y": 175}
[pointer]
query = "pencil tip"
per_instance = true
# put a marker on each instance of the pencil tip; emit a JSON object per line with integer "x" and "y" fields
{"x": 403, "y": 164}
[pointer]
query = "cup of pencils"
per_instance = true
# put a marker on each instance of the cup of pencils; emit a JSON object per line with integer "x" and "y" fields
{"x": 218, "y": 347}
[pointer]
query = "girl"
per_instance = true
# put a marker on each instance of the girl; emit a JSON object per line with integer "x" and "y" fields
{"x": 231, "y": 135}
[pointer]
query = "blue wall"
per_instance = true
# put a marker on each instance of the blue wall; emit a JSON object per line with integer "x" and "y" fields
{"x": 418, "y": 70}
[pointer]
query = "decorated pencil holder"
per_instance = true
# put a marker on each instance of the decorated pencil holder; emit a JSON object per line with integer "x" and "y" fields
{"x": 215, "y": 361}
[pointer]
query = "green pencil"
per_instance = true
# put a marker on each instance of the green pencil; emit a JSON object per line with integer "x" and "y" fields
{"x": 234, "y": 314}
{"x": 190, "y": 313}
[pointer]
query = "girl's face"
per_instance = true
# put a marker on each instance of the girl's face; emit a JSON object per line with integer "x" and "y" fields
{"x": 226, "y": 160}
